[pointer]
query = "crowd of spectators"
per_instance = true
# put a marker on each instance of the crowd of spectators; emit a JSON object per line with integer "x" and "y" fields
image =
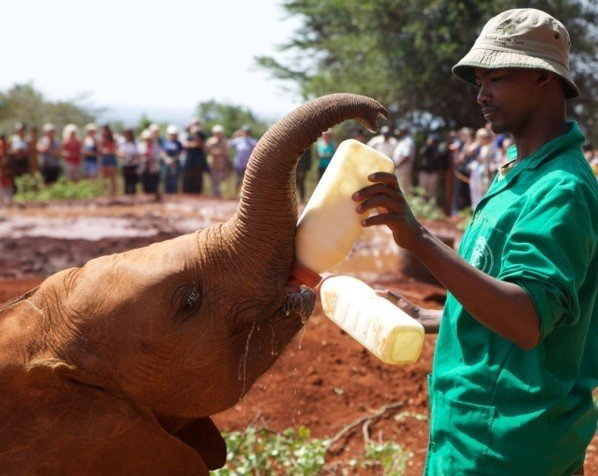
{"x": 147, "y": 162}
{"x": 455, "y": 171}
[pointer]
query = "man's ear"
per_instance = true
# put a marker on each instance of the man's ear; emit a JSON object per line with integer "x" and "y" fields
{"x": 546, "y": 78}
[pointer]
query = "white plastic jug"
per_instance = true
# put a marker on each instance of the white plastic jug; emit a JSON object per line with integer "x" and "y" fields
{"x": 329, "y": 225}
{"x": 381, "y": 327}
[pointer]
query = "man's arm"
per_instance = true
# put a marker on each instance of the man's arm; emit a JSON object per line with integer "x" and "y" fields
{"x": 503, "y": 307}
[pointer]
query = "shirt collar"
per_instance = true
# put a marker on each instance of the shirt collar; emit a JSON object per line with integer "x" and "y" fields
{"x": 510, "y": 171}
{"x": 572, "y": 136}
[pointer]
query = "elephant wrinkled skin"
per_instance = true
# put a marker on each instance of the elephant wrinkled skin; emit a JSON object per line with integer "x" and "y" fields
{"x": 115, "y": 367}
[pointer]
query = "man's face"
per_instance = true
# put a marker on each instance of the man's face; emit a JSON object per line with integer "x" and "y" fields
{"x": 507, "y": 97}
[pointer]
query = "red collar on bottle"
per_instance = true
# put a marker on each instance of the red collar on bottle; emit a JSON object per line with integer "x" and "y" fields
{"x": 302, "y": 275}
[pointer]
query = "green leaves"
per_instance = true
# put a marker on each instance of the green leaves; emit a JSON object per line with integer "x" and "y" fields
{"x": 31, "y": 188}
{"x": 24, "y": 103}
{"x": 230, "y": 116}
{"x": 266, "y": 452}
{"x": 401, "y": 52}
{"x": 262, "y": 451}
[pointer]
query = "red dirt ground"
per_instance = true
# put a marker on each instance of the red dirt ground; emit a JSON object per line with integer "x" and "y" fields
{"x": 323, "y": 381}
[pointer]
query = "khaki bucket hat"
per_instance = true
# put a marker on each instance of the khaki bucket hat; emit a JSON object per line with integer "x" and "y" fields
{"x": 521, "y": 38}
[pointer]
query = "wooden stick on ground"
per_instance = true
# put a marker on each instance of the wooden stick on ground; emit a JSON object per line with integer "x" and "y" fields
{"x": 365, "y": 421}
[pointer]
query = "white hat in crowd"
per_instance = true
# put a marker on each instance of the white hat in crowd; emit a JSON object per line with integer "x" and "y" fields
{"x": 146, "y": 134}
{"x": 68, "y": 130}
{"x": 217, "y": 128}
{"x": 172, "y": 129}
{"x": 48, "y": 127}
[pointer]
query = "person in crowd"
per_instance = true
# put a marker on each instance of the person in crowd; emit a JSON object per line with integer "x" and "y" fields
{"x": 196, "y": 162}
{"x": 384, "y": 142}
{"x": 220, "y": 164}
{"x": 128, "y": 155}
{"x": 452, "y": 147}
{"x": 19, "y": 149}
{"x": 325, "y": 149}
{"x": 50, "y": 152}
{"x": 71, "y": 153}
{"x": 155, "y": 130}
{"x": 516, "y": 354}
{"x": 107, "y": 148}
{"x": 429, "y": 164}
{"x": 33, "y": 155}
{"x": 243, "y": 144}
{"x": 303, "y": 168}
{"x": 404, "y": 157}
{"x": 591, "y": 157}
{"x": 89, "y": 150}
{"x": 196, "y": 123}
{"x": 171, "y": 159}
{"x": 149, "y": 169}
{"x": 7, "y": 183}
{"x": 466, "y": 154}
{"x": 358, "y": 135}
{"x": 483, "y": 168}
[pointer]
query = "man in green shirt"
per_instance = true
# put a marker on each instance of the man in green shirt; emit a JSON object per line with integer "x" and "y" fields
{"x": 517, "y": 352}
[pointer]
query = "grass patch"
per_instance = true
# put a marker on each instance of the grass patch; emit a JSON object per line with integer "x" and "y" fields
{"x": 265, "y": 452}
{"x": 31, "y": 188}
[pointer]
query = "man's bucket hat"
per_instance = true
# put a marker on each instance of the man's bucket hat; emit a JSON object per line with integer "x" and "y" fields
{"x": 521, "y": 38}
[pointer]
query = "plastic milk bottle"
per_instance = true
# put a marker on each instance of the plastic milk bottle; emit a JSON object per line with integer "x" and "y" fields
{"x": 381, "y": 327}
{"x": 329, "y": 225}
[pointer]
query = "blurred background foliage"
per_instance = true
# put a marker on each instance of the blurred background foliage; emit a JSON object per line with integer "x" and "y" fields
{"x": 397, "y": 51}
{"x": 22, "y": 102}
{"x": 401, "y": 53}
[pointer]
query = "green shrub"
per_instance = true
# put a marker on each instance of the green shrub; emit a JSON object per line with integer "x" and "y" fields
{"x": 423, "y": 206}
{"x": 265, "y": 452}
{"x": 31, "y": 188}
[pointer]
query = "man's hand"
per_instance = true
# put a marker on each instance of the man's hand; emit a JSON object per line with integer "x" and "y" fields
{"x": 386, "y": 194}
{"x": 428, "y": 318}
{"x": 400, "y": 301}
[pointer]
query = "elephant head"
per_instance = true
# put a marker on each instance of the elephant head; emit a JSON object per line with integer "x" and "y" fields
{"x": 154, "y": 340}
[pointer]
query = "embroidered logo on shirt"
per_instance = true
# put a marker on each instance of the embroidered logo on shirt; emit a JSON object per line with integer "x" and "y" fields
{"x": 482, "y": 256}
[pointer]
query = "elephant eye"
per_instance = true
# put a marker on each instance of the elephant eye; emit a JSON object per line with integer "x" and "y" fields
{"x": 192, "y": 297}
{"x": 186, "y": 300}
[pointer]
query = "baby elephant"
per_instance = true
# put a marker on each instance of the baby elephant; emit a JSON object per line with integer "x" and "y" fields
{"x": 116, "y": 366}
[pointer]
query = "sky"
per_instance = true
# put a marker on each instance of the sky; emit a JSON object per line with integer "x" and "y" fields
{"x": 162, "y": 57}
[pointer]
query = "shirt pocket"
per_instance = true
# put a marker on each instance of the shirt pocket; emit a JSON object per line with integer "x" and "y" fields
{"x": 460, "y": 434}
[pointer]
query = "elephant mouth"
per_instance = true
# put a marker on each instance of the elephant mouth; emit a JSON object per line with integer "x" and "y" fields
{"x": 300, "y": 301}
{"x": 202, "y": 435}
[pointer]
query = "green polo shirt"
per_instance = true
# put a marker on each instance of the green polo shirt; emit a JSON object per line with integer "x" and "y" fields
{"x": 495, "y": 408}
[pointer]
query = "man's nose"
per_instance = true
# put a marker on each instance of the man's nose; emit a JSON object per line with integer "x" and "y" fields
{"x": 483, "y": 96}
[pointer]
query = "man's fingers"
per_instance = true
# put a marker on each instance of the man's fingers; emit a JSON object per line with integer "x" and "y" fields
{"x": 382, "y": 180}
{"x": 391, "y": 203}
{"x": 388, "y": 179}
{"x": 383, "y": 219}
{"x": 377, "y": 189}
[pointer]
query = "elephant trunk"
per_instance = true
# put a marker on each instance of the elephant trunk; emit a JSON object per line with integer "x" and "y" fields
{"x": 267, "y": 215}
